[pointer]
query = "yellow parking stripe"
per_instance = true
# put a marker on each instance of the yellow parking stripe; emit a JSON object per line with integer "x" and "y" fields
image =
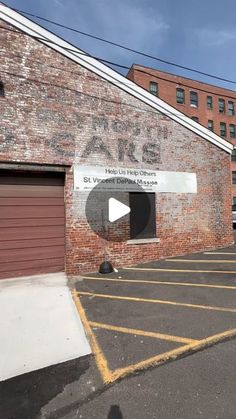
{"x": 173, "y": 354}
{"x": 149, "y": 300}
{"x": 100, "y": 358}
{"x": 200, "y": 260}
{"x": 143, "y": 281}
{"x": 109, "y": 376}
{"x": 179, "y": 270}
{"x": 145, "y": 333}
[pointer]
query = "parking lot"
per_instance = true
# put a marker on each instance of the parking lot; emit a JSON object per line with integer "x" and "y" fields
{"x": 151, "y": 314}
{"x": 162, "y": 335}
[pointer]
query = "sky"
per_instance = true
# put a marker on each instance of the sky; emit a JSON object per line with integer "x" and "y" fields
{"x": 200, "y": 34}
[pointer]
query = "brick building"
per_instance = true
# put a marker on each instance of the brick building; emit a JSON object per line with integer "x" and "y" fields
{"x": 62, "y": 110}
{"x": 211, "y": 106}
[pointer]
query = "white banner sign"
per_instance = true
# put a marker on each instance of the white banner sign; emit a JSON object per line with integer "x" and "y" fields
{"x": 122, "y": 179}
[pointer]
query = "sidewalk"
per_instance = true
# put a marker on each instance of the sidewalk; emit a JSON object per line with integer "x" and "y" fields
{"x": 39, "y": 324}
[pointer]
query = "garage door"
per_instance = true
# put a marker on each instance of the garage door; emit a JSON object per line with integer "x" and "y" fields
{"x": 32, "y": 223}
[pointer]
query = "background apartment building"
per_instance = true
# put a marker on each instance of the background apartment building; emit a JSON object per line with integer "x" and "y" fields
{"x": 53, "y": 127}
{"x": 212, "y": 106}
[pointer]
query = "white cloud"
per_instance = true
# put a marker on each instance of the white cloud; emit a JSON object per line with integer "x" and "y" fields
{"x": 133, "y": 24}
{"x": 214, "y": 37}
{"x": 59, "y": 3}
{"x": 136, "y": 26}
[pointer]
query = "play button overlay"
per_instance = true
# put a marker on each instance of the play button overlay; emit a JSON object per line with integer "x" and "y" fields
{"x": 112, "y": 212}
{"x": 116, "y": 210}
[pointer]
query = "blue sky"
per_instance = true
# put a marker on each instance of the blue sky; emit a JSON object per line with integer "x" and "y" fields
{"x": 195, "y": 33}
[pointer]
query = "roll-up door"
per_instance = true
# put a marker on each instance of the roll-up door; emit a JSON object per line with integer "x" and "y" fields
{"x": 32, "y": 223}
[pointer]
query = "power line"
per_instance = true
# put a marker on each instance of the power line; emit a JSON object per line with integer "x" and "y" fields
{"x": 114, "y": 64}
{"x": 162, "y": 108}
{"x": 126, "y": 48}
{"x": 103, "y": 99}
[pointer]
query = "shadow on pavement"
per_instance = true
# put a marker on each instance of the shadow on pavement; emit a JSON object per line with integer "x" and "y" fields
{"x": 115, "y": 412}
{"x": 23, "y": 397}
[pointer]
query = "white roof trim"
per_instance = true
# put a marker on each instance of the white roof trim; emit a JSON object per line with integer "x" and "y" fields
{"x": 26, "y": 25}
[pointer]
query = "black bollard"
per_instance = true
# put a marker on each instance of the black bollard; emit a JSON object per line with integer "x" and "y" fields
{"x": 106, "y": 267}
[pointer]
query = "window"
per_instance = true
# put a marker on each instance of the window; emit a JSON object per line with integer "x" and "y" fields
{"x": 180, "y": 96}
{"x": 209, "y": 102}
{"x": 221, "y": 106}
{"x": 142, "y": 215}
{"x": 195, "y": 118}
{"x": 210, "y": 125}
{"x": 153, "y": 88}
{"x": 233, "y": 157}
{"x": 193, "y": 99}
{"x": 234, "y": 178}
{"x": 223, "y": 129}
{"x": 2, "y": 92}
{"x": 231, "y": 108}
{"x": 232, "y": 131}
{"x": 234, "y": 204}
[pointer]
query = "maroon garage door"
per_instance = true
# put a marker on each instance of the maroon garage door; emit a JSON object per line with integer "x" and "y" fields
{"x": 32, "y": 223}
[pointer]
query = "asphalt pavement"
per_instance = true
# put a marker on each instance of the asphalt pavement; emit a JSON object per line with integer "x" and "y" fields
{"x": 199, "y": 386}
{"x": 163, "y": 341}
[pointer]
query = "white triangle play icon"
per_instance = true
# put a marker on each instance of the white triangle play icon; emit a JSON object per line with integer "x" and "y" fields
{"x": 116, "y": 210}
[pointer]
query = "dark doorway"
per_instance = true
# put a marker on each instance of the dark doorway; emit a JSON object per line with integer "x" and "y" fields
{"x": 142, "y": 215}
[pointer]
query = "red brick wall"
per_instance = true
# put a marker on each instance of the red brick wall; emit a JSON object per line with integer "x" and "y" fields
{"x": 57, "y": 112}
{"x": 167, "y": 84}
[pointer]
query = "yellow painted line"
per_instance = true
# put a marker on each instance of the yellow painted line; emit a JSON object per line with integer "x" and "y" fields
{"x": 109, "y": 376}
{"x": 99, "y": 356}
{"x": 178, "y": 270}
{"x": 149, "y": 300}
{"x": 143, "y": 281}
{"x": 219, "y": 253}
{"x": 142, "y": 333}
{"x": 200, "y": 260}
{"x": 173, "y": 355}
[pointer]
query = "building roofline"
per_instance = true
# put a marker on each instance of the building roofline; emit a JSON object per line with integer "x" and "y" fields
{"x": 58, "y": 44}
{"x": 182, "y": 77}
